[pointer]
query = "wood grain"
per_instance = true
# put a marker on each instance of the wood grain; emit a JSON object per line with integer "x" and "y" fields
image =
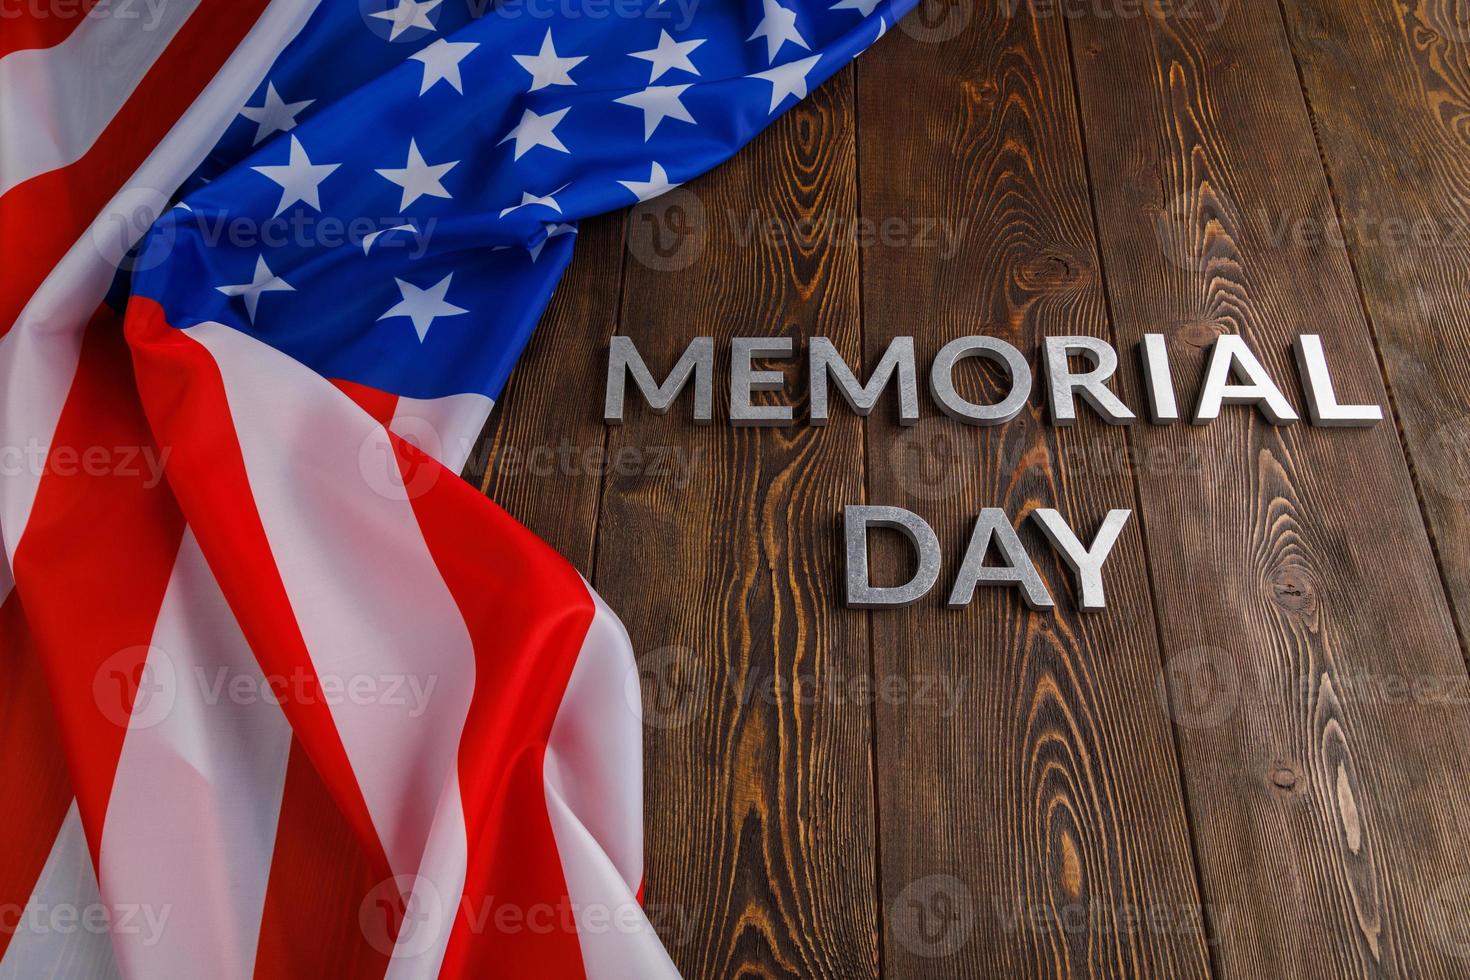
{"x": 760, "y": 841}
{"x": 1039, "y": 829}
{"x": 552, "y": 406}
{"x": 1389, "y": 90}
{"x": 1294, "y": 577}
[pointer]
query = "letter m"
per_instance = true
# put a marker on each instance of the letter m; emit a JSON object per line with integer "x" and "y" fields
{"x": 698, "y": 360}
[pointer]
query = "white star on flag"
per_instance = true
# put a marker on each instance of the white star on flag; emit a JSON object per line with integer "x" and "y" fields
{"x": 546, "y": 67}
{"x": 264, "y": 281}
{"x": 656, "y": 184}
{"x": 372, "y": 236}
{"x": 300, "y": 179}
{"x": 419, "y": 178}
{"x": 658, "y": 102}
{"x": 552, "y": 231}
{"x": 528, "y": 199}
{"x": 777, "y": 26}
{"x": 788, "y": 79}
{"x": 407, "y": 15}
{"x": 423, "y": 306}
{"x": 441, "y": 63}
{"x": 864, "y": 7}
{"x": 533, "y": 131}
{"x": 273, "y": 115}
{"x": 670, "y": 55}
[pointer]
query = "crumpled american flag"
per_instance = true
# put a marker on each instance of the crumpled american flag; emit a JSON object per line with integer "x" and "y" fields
{"x": 282, "y": 695}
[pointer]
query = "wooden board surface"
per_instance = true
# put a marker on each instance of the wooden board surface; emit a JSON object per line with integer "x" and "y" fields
{"x": 1231, "y": 770}
{"x": 1324, "y": 814}
{"x": 1047, "y": 794}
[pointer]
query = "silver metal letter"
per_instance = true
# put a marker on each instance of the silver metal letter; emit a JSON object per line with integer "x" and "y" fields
{"x": 1232, "y": 357}
{"x": 1158, "y": 380}
{"x": 1086, "y": 563}
{"x": 698, "y": 360}
{"x": 993, "y": 524}
{"x": 825, "y": 362}
{"x": 862, "y": 594}
{"x": 1063, "y": 382}
{"x": 941, "y": 380}
{"x": 744, "y": 379}
{"x": 1322, "y": 406}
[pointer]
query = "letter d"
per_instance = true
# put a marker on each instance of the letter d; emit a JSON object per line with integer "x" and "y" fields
{"x": 861, "y": 593}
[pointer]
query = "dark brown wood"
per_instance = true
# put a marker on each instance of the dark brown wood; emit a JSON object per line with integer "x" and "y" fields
{"x": 1389, "y": 88}
{"x": 552, "y": 406}
{"x": 760, "y": 841}
{"x": 1295, "y": 583}
{"x": 1039, "y": 829}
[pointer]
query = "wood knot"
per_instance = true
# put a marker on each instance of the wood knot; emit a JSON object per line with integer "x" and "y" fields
{"x": 1294, "y": 591}
{"x": 981, "y": 97}
{"x": 1347, "y": 809}
{"x": 1426, "y": 37}
{"x": 1051, "y": 270}
{"x": 1313, "y": 31}
{"x": 1198, "y": 334}
{"x": 982, "y": 92}
{"x": 808, "y": 128}
{"x": 1144, "y": 182}
{"x": 1071, "y": 871}
{"x": 1284, "y": 778}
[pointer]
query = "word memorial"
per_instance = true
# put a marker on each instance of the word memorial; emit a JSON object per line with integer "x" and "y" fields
{"x": 1076, "y": 371}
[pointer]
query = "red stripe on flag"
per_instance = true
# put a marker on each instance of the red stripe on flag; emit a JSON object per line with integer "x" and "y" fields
{"x": 102, "y": 537}
{"x": 379, "y": 404}
{"x": 528, "y": 612}
{"x": 42, "y": 218}
{"x": 32, "y": 768}
{"x": 41, "y": 23}
{"x": 323, "y": 897}
{"x": 185, "y": 399}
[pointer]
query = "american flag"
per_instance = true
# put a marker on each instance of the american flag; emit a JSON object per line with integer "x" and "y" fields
{"x": 276, "y": 681}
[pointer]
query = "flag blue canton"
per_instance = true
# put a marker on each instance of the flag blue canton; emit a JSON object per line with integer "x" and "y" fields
{"x": 395, "y": 204}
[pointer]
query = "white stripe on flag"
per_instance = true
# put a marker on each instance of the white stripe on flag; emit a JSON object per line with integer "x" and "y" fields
{"x": 36, "y": 370}
{"x": 594, "y": 795}
{"x": 38, "y": 357}
{"x": 445, "y": 428}
{"x": 373, "y": 610}
{"x": 191, "y": 823}
{"x": 57, "y": 936}
{"x": 38, "y": 361}
{"x": 434, "y": 896}
{"x": 55, "y": 102}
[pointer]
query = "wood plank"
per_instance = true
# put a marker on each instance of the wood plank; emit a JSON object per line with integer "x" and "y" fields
{"x": 1389, "y": 86}
{"x": 759, "y": 806}
{"x": 531, "y": 459}
{"x": 1295, "y": 580}
{"x": 1038, "y": 830}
